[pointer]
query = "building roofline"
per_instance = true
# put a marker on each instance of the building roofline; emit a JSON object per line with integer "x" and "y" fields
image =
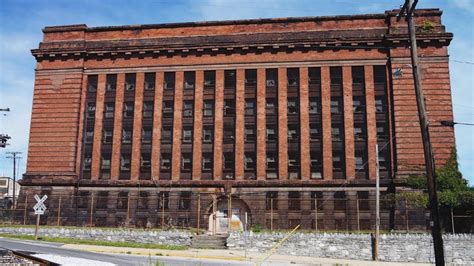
{"x": 84, "y": 27}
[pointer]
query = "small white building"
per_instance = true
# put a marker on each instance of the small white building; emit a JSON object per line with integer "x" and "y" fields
{"x": 6, "y": 191}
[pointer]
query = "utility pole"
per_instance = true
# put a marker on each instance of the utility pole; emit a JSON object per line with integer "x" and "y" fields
{"x": 14, "y": 157}
{"x": 409, "y": 9}
{"x": 377, "y": 203}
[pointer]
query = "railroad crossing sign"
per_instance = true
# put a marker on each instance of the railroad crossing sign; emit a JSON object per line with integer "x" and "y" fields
{"x": 39, "y": 206}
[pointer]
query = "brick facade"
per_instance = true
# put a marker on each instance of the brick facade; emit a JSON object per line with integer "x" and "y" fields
{"x": 322, "y": 109}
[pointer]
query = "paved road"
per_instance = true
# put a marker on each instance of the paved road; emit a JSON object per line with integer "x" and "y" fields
{"x": 56, "y": 249}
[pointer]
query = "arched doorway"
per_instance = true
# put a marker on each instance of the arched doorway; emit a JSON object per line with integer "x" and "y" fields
{"x": 219, "y": 219}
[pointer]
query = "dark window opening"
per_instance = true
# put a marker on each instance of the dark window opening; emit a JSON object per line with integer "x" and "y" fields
{"x": 314, "y": 74}
{"x": 147, "y": 133}
{"x": 169, "y": 80}
{"x": 271, "y": 133}
{"x": 317, "y": 199}
{"x": 166, "y": 135}
{"x": 293, "y": 76}
{"x": 271, "y": 77}
{"x": 358, "y": 75}
{"x": 189, "y": 80}
{"x": 87, "y": 162}
{"x": 271, "y": 108}
{"x": 207, "y": 134}
{"x": 188, "y": 109}
{"x": 125, "y": 163}
{"x": 340, "y": 200}
{"x": 229, "y": 78}
{"x": 336, "y": 75}
{"x": 249, "y": 163}
{"x": 122, "y": 200}
{"x": 315, "y": 132}
{"x": 142, "y": 200}
{"x": 107, "y": 138}
{"x": 187, "y": 135}
{"x": 207, "y": 162}
{"x": 168, "y": 108}
{"x": 293, "y": 200}
{"x": 147, "y": 109}
{"x": 186, "y": 162}
{"x": 251, "y": 77}
{"x": 316, "y": 165}
{"x": 229, "y": 107}
{"x": 336, "y": 106}
{"x": 145, "y": 162}
{"x": 111, "y": 82}
{"x": 293, "y": 133}
{"x": 229, "y": 163}
{"x": 229, "y": 133}
{"x": 127, "y": 135}
{"x": 109, "y": 110}
{"x": 293, "y": 106}
{"x": 165, "y": 161}
{"x": 249, "y": 107}
{"x": 314, "y": 105}
{"x": 209, "y": 78}
{"x": 150, "y": 81}
{"x": 90, "y": 110}
{"x": 250, "y": 135}
{"x": 105, "y": 162}
{"x": 184, "y": 200}
{"x": 163, "y": 200}
{"x": 130, "y": 80}
{"x": 128, "y": 110}
{"x": 92, "y": 82}
{"x": 208, "y": 108}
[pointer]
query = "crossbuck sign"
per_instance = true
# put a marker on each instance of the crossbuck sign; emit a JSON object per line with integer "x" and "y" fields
{"x": 39, "y": 206}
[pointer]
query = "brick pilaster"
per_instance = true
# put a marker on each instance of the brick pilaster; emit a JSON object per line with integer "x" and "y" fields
{"x": 98, "y": 124}
{"x": 156, "y": 140}
{"x": 282, "y": 124}
{"x": 117, "y": 135}
{"x": 371, "y": 121}
{"x": 348, "y": 122}
{"x": 198, "y": 105}
{"x": 137, "y": 126}
{"x": 305, "y": 158}
{"x": 218, "y": 124}
{"x": 240, "y": 125}
{"x": 326, "y": 122}
{"x": 177, "y": 127}
{"x": 80, "y": 133}
{"x": 261, "y": 125}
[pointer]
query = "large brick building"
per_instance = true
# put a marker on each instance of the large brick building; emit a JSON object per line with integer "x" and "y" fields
{"x": 287, "y": 109}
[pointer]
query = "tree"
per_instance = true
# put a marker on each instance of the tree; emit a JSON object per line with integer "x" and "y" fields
{"x": 454, "y": 194}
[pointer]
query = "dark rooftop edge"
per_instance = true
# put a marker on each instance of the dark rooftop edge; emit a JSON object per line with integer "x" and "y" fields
{"x": 83, "y": 27}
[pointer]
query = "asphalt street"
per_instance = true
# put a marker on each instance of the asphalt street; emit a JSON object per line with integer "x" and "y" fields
{"x": 56, "y": 249}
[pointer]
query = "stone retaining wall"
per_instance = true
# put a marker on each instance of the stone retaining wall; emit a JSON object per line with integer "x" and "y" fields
{"x": 182, "y": 238}
{"x": 393, "y": 247}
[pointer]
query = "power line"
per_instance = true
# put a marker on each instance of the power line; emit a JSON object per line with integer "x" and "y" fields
{"x": 462, "y": 62}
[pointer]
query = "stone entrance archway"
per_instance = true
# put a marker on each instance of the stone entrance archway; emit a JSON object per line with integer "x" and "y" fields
{"x": 219, "y": 220}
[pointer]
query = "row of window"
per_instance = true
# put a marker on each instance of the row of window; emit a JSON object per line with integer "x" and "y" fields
{"x": 293, "y": 78}
{"x": 272, "y": 200}
{"x": 229, "y": 107}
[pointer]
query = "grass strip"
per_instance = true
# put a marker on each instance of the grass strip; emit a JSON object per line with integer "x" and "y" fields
{"x": 65, "y": 240}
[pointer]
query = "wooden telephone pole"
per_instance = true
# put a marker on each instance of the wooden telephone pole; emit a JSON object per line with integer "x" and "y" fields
{"x": 409, "y": 9}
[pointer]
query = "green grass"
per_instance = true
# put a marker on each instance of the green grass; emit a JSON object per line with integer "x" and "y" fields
{"x": 96, "y": 242}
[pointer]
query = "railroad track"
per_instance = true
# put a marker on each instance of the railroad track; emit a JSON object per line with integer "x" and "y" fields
{"x": 13, "y": 257}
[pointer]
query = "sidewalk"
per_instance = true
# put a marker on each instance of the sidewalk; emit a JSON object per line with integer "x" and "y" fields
{"x": 231, "y": 255}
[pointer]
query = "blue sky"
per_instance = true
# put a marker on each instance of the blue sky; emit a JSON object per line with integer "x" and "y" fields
{"x": 21, "y": 22}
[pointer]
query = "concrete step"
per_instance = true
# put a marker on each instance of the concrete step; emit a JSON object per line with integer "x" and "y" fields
{"x": 209, "y": 241}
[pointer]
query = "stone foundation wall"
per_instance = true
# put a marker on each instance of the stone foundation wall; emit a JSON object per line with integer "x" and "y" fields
{"x": 393, "y": 247}
{"x": 182, "y": 238}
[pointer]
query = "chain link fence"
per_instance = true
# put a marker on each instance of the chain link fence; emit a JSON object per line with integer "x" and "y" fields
{"x": 275, "y": 210}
